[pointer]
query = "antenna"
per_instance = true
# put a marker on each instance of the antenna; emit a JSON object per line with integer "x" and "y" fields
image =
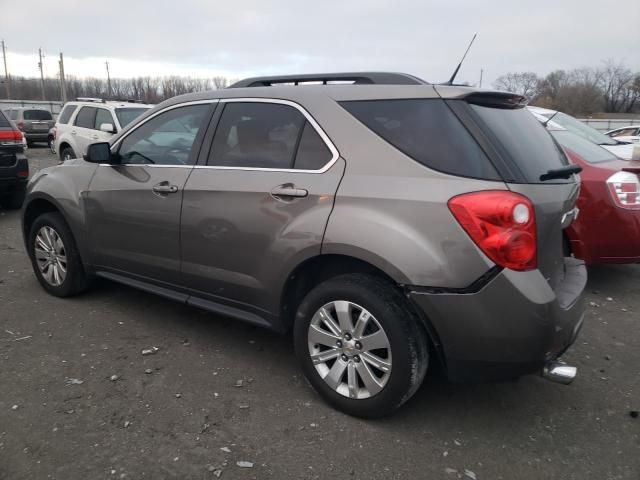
{"x": 455, "y": 72}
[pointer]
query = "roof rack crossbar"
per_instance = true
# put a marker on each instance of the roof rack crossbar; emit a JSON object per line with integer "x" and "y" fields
{"x": 357, "y": 78}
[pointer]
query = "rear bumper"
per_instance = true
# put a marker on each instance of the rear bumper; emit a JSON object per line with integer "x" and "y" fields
{"x": 37, "y": 136}
{"x": 512, "y": 326}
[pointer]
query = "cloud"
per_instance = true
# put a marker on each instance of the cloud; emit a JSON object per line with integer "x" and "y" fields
{"x": 422, "y": 37}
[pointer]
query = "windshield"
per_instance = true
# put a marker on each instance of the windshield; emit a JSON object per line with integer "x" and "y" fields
{"x": 588, "y": 151}
{"x": 37, "y": 115}
{"x": 128, "y": 115}
{"x": 576, "y": 126}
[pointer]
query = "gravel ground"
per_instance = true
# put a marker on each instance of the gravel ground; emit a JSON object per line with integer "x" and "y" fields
{"x": 78, "y": 399}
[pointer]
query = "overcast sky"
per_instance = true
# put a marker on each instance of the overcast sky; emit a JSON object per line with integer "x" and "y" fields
{"x": 248, "y": 37}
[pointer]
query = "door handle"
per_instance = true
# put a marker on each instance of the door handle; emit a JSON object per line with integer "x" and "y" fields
{"x": 73, "y": 132}
{"x": 95, "y": 137}
{"x": 289, "y": 191}
{"x": 164, "y": 188}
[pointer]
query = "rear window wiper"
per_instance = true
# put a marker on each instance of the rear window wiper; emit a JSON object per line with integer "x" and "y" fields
{"x": 562, "y": 172}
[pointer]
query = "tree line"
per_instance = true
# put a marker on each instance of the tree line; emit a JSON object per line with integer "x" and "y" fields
{"x": 146, "y": 89}
{"x": 610, "y": 88}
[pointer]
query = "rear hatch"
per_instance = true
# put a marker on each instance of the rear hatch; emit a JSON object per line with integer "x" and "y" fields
{"x": 37, "y": 121}
{"x": 523, "y": 152}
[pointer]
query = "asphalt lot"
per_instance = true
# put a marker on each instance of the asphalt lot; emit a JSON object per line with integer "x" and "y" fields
{"x": 78, "y": 400}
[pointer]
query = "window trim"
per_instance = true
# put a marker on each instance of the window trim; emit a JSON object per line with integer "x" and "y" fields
{"x": 312, "y": 121}
{"x": 325, "y": 138}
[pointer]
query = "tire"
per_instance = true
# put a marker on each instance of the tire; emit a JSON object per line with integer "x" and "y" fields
{"x": 75, "y": 278}
{"x": 407, "y": 355}
{"x": 67, "y": 153}
{"x": 51, "y": 145}
{"x": 15, "y": 199}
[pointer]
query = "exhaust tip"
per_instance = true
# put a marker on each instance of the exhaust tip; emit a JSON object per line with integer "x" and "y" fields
{"x": 559, "y": 372}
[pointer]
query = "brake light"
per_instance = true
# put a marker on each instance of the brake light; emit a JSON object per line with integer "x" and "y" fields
{"x": 502, "y": 224}
{"x": 625, "y": 189}
{"x": 10, "y": 137}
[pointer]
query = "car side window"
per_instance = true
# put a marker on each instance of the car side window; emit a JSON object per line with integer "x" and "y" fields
{"x": 166, "y": 139}
{"x": 66, "y": 113}
{"x": 85, "y": 117}
{"x": 256, "y": 135}
{"x": 103, "y": 116}
{"x": 313, "y": 153}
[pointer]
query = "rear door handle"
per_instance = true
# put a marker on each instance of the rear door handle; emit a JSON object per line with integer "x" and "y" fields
{"x": 95, "y": 137}
{"x": 73, "y": 132}
{"x": 289, "y": 192}
{"x": 164, "y": 188}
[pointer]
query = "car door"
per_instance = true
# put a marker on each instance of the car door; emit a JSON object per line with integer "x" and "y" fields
{"x": 259, "y": 203}
{"x": 82, "y": 130}
{"x": 133, "y": 207}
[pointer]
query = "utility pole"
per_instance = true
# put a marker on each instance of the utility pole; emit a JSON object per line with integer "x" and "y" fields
{"x": 481, "y": 72}
{"x": 108, "y": 79}
{"x": 63, "y": 85}
{"x": 7, "y": 80}
{"x": 41, "y": 67}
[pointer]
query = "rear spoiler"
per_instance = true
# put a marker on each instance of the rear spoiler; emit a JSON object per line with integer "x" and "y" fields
{"x": 496, "y": 100}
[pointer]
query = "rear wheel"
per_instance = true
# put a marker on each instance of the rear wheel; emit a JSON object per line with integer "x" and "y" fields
{"x": 55, "y": 257}
{"x": 51, "y": 144}
{"x": 67, "y": 153}
{"x": 360, "y": 345}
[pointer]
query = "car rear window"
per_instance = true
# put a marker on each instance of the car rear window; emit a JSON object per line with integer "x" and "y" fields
{"x": 523, "y": 140}
{"x": 427, "y": 131}
{"x": 37, "y": 115}
{"x": 66, "y": 113}
{"x": 4, "y": 123}
{"x": 588, "y": 151}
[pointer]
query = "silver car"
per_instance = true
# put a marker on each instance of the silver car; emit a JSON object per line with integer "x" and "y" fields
{"x": 392, "y": 224}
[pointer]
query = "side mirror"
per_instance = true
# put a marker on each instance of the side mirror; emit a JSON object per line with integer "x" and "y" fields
{"x": 107, "y": 127}
{"x": 98, "y": 153}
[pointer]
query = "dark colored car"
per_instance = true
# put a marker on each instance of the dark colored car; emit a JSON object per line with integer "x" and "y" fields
{"x": 14, "y": 166}
{"x": 607, "y": 229}
{"x": 391, "y": 223}
{"x": 34, "y": 122}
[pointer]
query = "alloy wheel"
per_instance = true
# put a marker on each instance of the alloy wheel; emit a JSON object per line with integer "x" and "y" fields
{"x": 51, "y": 256}
{"x": 349, "y": 349}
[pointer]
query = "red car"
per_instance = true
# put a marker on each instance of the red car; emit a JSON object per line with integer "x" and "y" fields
{"x": 607, "y": 229}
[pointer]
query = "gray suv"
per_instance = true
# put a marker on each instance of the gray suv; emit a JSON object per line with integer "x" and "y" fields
{"x": 390, "y": 223}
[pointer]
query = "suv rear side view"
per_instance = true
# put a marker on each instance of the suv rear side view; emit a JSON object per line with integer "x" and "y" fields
{"x": 14, "y": 166}
{"x": 390, "y": 223}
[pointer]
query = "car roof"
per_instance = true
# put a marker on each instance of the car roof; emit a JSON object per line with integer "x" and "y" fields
{"x": 110, "y": 103}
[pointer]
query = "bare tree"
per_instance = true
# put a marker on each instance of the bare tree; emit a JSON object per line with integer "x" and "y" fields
{"x": 524, "y": 83}
{"x": 615, "y": 80}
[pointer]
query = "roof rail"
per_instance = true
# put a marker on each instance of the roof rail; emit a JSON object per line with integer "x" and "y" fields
{"x": 90, "y": 99}
{"x": 356, "y": 78}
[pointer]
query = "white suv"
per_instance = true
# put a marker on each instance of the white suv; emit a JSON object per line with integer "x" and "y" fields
{"x": 90, "y": 120}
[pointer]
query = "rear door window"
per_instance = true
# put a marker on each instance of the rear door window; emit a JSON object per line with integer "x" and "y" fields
{"x": 313, "y": 153}
{"x": 523, "y": 140}
{"x": 427, "y": 131}
{"x": 66, "y": 113}
{"x": 86, "y": 117}
{"x": 256, "y": 135}
{"x": 37, "y": 115}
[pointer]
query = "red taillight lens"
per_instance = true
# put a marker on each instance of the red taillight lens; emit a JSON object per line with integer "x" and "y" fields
{"x": 625, "y": 189}
{"x": 10, "y": 136}
{"x": 502, "y": 224}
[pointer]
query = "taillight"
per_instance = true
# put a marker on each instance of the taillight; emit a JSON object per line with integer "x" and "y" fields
{"x": 625, "y": 189}
{"x": 502, "y": 224}
{"x": 10, "y": 137}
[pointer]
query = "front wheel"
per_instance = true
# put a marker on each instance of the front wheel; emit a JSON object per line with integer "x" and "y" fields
{"x": 360, "y": 345}
{"x": 54, "y": 256}
{"x": 67, "y": 153}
